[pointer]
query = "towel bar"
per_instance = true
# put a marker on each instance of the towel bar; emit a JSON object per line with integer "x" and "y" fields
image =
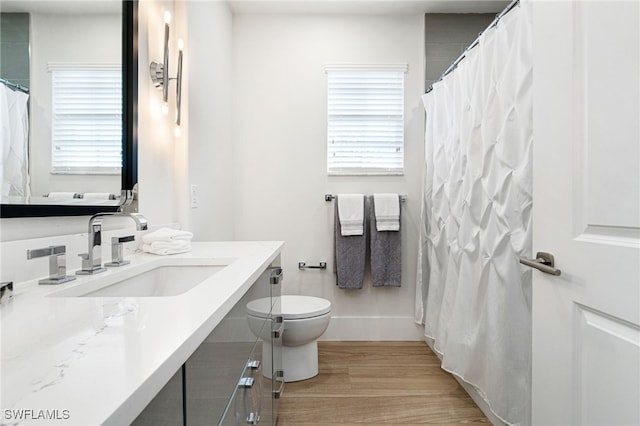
{"x": 331, "y": 197}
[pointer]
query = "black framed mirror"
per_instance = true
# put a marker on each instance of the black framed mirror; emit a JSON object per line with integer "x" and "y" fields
{"x": 42, "y": 207}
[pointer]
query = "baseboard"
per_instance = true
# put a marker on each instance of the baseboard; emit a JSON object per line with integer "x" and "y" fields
{"x": 473, "y": 393}
{"x": 373, "y": 329}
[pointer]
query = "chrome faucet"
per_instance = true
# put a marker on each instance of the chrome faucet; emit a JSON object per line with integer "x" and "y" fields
{"x": 92, "y": 261}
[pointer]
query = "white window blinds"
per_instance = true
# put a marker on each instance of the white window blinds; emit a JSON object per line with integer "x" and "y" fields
{"x": 365, "y": 126}
{"x": 86, "y": 120}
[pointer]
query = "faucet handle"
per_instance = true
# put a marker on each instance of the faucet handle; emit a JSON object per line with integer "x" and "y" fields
{"x": 85, "y": 259}
{"x": 117, "y": 258}
{"x": 57, "y": 264}
{"x": 128, "y": 238}
{"x": 46, "y": 251}
{"x": 87, "y": 266}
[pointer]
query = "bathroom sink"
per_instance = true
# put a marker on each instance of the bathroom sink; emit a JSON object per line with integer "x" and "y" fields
{"x": 151, "y": 280}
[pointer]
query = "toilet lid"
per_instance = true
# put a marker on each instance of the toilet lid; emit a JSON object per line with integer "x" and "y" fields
{"x": 293, "y": 307}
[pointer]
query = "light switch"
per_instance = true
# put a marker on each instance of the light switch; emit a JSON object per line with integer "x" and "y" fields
{"x": 194, "y": 196}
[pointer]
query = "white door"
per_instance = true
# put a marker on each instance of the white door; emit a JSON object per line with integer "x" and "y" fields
{"x": 586, "y": 322}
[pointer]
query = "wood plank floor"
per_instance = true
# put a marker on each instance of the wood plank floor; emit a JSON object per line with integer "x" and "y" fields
{"x": 377, "y": 383}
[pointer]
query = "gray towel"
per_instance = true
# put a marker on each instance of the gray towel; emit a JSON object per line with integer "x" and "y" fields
{"x": 386, "y": 261}
{"x": 349, "y": 256}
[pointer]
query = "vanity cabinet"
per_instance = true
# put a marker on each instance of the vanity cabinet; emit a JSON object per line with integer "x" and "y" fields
{"x": 224, "y": 382}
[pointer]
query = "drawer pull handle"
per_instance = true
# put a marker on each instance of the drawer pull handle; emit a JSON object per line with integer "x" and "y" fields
{"x": 277, "y": 393}
{"x": 253, "y": 418}
{"x": 277, "y": 332}
{"x": 245, "y": 382}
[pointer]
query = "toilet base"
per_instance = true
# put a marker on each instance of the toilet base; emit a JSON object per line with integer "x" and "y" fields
{"x": 300, "y": 362}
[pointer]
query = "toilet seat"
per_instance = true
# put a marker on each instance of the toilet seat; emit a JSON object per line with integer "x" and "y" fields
{"x": 292, "y": 307}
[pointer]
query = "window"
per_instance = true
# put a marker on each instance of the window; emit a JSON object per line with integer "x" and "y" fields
{"x": 365, "y": 125}
{"x": 86, "y": 120}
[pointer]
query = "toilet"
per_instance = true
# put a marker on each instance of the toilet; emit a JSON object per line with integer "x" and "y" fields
{"x": 305, "y": 319}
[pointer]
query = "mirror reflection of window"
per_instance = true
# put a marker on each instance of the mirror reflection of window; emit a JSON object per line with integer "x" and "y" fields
{"x": 86, "y": 120}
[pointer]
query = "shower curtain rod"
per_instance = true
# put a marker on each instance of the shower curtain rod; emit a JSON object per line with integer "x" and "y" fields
{"x": 475, "y": 42}
{"x": 14, "y": 86}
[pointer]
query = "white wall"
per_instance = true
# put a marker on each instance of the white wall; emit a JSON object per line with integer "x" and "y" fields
{"x": 279, "y": 92}
{"x": 160, "y": 161}
{"x": 207, "y": 118}
{"x": 65, "y": 39}
{"x": 202, "y": 155}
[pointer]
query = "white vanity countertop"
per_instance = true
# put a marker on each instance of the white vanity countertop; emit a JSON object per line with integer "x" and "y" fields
{"x": 100, "y": 360}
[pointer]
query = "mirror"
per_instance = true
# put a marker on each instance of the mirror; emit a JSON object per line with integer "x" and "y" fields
{"x": 64, "y": 39}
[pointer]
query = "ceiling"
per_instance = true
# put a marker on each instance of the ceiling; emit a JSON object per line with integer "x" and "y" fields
{"x": 368, "y": 7}
{"x": 63, "y": 7}
{"x": 359, "y": 7}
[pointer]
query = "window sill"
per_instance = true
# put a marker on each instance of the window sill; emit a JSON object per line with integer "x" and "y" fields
{"x": 87, "y": 172}
{"x": 365, "y": 173}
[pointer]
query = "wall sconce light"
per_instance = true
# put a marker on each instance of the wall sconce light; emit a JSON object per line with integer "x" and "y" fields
{"x": 159, "y": 72}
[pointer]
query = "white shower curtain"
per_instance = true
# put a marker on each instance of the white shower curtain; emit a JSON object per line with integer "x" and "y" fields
{"x": 474, "y": 297}
{"x": 14, "y": 137}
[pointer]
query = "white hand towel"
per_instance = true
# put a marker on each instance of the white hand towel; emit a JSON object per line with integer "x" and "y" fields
{"x": 387, "y": 211}
{"x": 167, "y": 235}
{"x": 165, "y": 247}
{"x": 351, "y": 213}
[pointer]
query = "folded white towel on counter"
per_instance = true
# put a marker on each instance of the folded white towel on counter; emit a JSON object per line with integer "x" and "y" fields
{"x": 98, "y": 196}
{"x": 166, "y": 235}
{"x": 167, "y": 247}
{"x": 387, "y": 211}
{"x": 63, "y": 195}
{"x": 351, "y": 214}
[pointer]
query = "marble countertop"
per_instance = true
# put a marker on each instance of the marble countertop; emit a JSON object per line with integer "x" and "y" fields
{"x": 100, "y": 360}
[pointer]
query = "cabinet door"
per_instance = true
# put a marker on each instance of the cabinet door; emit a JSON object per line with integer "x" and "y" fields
{"x": 166, "y": 408}
{"x": 212, "y": 373}
{"x": 216, "y": 367}
{"x": 246, "y": 403}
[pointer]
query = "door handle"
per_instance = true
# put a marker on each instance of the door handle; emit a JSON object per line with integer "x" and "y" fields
{"x": 543, "y": 262}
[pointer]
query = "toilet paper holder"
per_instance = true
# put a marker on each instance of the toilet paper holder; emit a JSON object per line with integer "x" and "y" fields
{"x": 303, "y": 265}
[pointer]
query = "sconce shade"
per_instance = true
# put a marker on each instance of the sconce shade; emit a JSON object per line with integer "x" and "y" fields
{"x": 179, "y": 89}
